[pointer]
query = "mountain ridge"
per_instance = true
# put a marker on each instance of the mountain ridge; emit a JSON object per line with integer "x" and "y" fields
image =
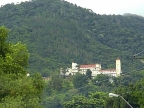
{"x": 58, "y": 33}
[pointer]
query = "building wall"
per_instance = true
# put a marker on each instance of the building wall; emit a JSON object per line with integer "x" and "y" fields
{"x": 109, "y": 72}
{"x": 118, "y": 67}
{"x": 95, "y": 69}
{"x": 74, "y": 65}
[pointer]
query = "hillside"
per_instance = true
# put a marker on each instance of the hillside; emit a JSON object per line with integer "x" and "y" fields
{"x": 58, "y": 33}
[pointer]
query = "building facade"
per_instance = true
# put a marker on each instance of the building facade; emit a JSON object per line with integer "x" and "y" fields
{"x": 94, "y": 68}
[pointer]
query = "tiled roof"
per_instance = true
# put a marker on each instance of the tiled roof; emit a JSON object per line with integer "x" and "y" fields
{"x": 88, "y": 66}
{"x": 118, "y": 59}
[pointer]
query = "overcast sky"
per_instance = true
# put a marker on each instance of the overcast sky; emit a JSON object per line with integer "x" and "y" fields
{"x": 104, "y": 6}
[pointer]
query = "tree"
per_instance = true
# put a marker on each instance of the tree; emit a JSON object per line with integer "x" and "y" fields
{"x": 4, "y": 47}
{"x": 133, "y": 93}
{"x": 95, "y": 100}
{"x": 101, "y": 79}
{"x": 79, "y": 80}
{"x": 17, "y": 90}
{"x": 20, "y": 54}
{"x": 89, "y": 73}
{"x": 56, "y": 82}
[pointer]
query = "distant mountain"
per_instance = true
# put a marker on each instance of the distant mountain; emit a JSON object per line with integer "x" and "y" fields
{"x": 58, "y": 33}
{"x": 129, "y": 14}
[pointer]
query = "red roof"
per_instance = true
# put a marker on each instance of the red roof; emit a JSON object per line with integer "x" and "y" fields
{"x": 88, "y": 66}
{"x": 118, "y": 59}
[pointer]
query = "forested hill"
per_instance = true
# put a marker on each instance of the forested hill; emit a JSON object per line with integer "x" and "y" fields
{"x": 58, "y": 33}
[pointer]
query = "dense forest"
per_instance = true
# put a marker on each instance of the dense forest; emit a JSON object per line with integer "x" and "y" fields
{"x": 57, "y": 33}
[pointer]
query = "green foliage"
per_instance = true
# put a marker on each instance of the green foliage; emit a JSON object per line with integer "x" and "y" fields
{"x": 3, "y": 34}
{"x": 96, "y": 100}
{"x": 79, "y": 80}
{"x": 20, "y": 54}
{"x": 101, "y": 79}
{"x": 38, "y": 83}
{"x": 4, "y": 47}
{"x": 133, "y": 93}
{"x": 56, "y": 82}
{"x": 58, "y": 33}
{"x": 89, "y": 73}
{"x": 16, "y": 89}
{"x": 18, "y": 92}
{"x": 52, "y": 102}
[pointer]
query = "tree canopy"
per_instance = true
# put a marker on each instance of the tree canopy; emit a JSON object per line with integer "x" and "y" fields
{"x": 58, "y": 33}
{"x": 17, "y": 90}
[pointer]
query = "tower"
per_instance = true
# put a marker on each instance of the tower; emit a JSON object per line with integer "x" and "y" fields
{"x": 118, "y": 67}
{"x": 74, "y": 65}
{"x": 74, "y": 69}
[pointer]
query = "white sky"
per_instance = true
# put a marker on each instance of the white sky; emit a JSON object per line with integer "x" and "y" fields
{"x": 104, "y": 6}
{"x": 3, "y": 2}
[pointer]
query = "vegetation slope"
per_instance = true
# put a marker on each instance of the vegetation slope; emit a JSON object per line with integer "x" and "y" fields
{"x": 58, "y": 33}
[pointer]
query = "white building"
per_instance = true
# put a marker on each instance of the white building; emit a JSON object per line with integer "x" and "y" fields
{"x": 95, "y": 69}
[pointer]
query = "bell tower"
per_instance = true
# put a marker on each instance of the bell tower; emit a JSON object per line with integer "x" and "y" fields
{"x": 118, "y": 67}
